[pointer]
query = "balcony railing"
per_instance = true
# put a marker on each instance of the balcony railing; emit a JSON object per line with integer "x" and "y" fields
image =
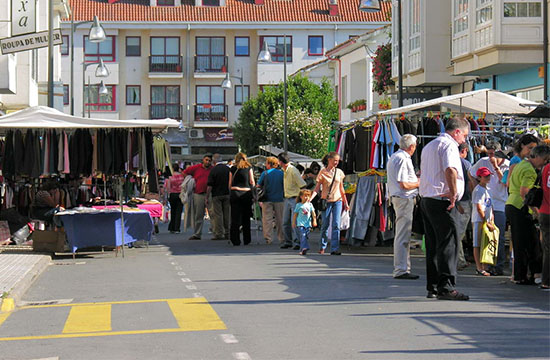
{"x": 165, "y": 63}
{"x": 162, "y": 111}
{"x": 210, "y": 63}
{"x": 210, "y": 112}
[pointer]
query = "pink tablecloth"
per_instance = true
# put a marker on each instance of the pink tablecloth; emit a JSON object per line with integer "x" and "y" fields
{"x": 155, "y": 210}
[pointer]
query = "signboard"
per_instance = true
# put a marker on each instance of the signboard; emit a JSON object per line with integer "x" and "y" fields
{"x": 29, "y": 41}
{"x": 218, "y": 134}
{"x": 23, "y": 17}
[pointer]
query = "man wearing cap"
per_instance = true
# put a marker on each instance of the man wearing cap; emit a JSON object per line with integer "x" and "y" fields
{"x": 200, "y": 173}
{"x": 441, "y": 185}
{"x": 497, "y": 164}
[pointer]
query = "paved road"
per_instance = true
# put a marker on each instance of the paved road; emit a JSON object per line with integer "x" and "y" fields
{"x": 182, "y": 299}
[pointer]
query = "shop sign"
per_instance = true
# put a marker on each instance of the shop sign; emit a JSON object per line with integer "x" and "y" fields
{"x": 218, "y": 134}
{"x": 415, "y": 98}
{"x": 23, "y": 17}
{"x": 30, "y": 41}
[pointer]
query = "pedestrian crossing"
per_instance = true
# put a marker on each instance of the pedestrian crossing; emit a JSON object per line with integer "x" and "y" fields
{"x": 109, "y": 319}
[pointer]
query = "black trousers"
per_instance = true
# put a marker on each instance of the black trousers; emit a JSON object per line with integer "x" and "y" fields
{"x": 176, "y": 208}
{"x": 441, "y": 244}
{"x": 241, "y": 211}
{"x": 525, "y": 242}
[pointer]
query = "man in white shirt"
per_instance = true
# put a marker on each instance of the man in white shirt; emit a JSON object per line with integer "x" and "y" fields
{"x": 496, "y": 162}
{"x": 402, "y": 188}
{"x": 441, "y": 186}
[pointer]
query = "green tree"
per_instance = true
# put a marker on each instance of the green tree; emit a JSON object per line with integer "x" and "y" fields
{"x": 257, "y": 116}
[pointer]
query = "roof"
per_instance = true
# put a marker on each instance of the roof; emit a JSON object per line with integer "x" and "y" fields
{"x": 235, "y": 11}
{"x": 356, "y": 39}
{"x": 484, "y": 100}
{"x": 311, "y": 66}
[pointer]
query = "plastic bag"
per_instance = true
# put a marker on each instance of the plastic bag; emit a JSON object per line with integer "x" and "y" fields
{"x": 344, "y": 220}
{"x": 489, "y": 244}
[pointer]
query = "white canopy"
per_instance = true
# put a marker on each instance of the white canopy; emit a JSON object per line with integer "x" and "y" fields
{"x": 43, "y": 117}
{"x": 485, "y": 100}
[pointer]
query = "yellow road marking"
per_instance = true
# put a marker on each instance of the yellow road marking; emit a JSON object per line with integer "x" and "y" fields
{"x": 3, "y": 317}
{"x": 7, "y": 305}
{"x": 195, "y": 314}
{"x": 85, "y": 319}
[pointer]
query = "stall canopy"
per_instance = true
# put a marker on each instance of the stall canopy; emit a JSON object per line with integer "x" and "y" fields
{"x": 485, "y": 100}
{"x": 42, "y": 117}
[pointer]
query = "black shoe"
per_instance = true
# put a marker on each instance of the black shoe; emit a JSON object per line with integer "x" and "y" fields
{"x": 193, "y": 237}
{"x": 453, "y": 295}
{"x": 432, "y": 294}
{"x": 335, "y": 253}
{"x": 286, "y": 246}
{"x": 156, "y": 229}
{"x": 407, "y": 276}
{"x": 296, "y": 247}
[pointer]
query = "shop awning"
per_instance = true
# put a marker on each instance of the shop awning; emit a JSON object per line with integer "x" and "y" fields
{"x": 43, "y": 117}
{"x": 485, "y": 101}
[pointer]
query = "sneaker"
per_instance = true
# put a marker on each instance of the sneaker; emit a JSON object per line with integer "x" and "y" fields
{"x": 431, "y": 294}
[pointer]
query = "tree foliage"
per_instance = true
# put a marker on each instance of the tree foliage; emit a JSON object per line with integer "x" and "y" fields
{"x": 257, "y": 119}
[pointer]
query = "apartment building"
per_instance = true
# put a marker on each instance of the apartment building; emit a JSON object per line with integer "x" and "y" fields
{"x": 502, "y": 41}
{"x": 168, "y": 58}
{"x": 24, "y": 74}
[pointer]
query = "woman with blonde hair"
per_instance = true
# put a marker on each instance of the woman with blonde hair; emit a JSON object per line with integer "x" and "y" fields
{"x": 241, "y": 182}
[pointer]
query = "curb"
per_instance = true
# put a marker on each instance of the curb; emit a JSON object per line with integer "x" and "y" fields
{"x": 19, "y": 289}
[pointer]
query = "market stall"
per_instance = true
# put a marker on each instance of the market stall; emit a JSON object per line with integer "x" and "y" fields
{"x": 84, "y": 157}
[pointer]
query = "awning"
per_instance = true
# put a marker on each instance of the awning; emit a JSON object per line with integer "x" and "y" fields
{"x": 43, "y": 117}
{"x": 485, "y": 100}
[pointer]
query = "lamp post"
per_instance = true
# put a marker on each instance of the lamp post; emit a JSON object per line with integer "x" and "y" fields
{"x": 265, "y": 57}
{"x": 96, "y": 35}
{"x": 227, "y": 85}
{"x": 374, "y": 6}
{"x": 101, "y": 71}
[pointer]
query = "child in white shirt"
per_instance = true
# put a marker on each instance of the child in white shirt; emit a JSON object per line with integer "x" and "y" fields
{"x": 482, "y": 212}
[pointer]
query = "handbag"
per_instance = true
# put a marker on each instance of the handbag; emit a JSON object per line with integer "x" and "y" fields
{"x": 323, "y": 203}
{"x": 261, "y": 192}
{"x": 534, "y": 196}
{"x": 489, "y": 244}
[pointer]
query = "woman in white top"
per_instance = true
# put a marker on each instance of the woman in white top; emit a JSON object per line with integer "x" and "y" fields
{"x": 331, "y": 183}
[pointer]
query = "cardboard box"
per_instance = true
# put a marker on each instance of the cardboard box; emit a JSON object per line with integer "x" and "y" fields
{"x": 48, "y": 241}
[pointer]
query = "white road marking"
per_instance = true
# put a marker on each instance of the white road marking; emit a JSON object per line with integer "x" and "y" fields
{"x": 178, "y": 268}
{"x": 191, "y": 287}
{"x": 185, "y": 279}
{"x": 197, "y": 295}
{"x": 174, "y": 263}
{"x": 181, "y": 273}
{"x": 229, "y": 339}
{"x": 241, "y": 356}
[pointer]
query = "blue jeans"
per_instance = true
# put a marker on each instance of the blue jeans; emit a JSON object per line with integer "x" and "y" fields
{"x": 334, "y": 209}
{"x": 288, "y": 212}
{"x": 500, "y": 222}
{"x": 303, "y": 234}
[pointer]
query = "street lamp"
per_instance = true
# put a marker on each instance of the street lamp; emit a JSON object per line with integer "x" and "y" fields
{"x": 265, "y": 57}
{"x": 374, "y": 6}
{"x": 227, "y": 85}
{"x": 100, "y": 71}
{"x": 96, "y": 35}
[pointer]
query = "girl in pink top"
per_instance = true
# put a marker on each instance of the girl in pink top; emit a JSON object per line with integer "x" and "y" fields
{"x": 176, "y": 207}
{"x": 544, "y": 218}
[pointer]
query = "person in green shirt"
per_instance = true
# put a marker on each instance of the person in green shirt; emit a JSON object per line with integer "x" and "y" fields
{"x": 524, "y": 235}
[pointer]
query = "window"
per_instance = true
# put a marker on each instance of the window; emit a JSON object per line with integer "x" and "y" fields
{"x": 210, "y": 2}
{"x": 133, "y": 95}
{"x": 165, "y": 54}
{"x": 210, "y": 104}
{"x": 522, "y": 9}
{"x": 103, "y": 50}
{"x": 210, "y": 95}
{"x": 245, "y": 94}
{"x": 133, "y": 46}
{"x": 165, "y": 102}
{"x": 98, "y": 102}
{"x": 242, "y": 46}
{"x": 533, "y": 94}
{"x": 460, "y": 16}
{"x": 484, "y": 11}
{"x": 65, "y": 45}
{"x": 414, "y": 37}
{"x": 210, "y": 54}
{"x": 276, "y": 47}
{"x": 165, "y": 2}
{"x": 315, "y": 45}
{"x": 66, "y": 96}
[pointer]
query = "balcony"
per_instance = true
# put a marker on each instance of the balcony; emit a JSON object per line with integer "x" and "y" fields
{"x": 208, "y": 113}
{"x": 210, "y": 66}
{"x": 165, "y": 66}
{"x": 163, "y": 111}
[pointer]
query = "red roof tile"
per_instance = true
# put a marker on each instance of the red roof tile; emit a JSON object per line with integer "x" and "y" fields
{"x": 235, "y": 11}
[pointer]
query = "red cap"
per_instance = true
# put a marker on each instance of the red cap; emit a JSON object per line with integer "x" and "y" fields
{"x": 483, "y": 171}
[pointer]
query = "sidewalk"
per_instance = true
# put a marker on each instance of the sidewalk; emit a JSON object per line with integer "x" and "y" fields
{"x": 18, "y": 270}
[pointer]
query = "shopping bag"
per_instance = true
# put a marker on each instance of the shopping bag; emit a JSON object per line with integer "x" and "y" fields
{"x": 489, "y": 244}
{"x": 344, "y": 220}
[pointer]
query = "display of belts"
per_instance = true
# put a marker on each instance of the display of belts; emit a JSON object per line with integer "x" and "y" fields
{"x": 95, "y": 179}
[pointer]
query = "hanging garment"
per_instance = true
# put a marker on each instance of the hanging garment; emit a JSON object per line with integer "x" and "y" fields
{"x": 8, "y": 158}
{"x": 18, "y": 152}
{"x": 60, "y": 153}
{"x": 363, "y": 143}
{"x": 66, "y": 157}
{"x": 363, "y": 206}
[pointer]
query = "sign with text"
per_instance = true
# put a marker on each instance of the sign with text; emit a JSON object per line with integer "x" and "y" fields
{"x": 23, "y": 17}
{"x": 29, "y": 41}
{"x": 218, "y": 134}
